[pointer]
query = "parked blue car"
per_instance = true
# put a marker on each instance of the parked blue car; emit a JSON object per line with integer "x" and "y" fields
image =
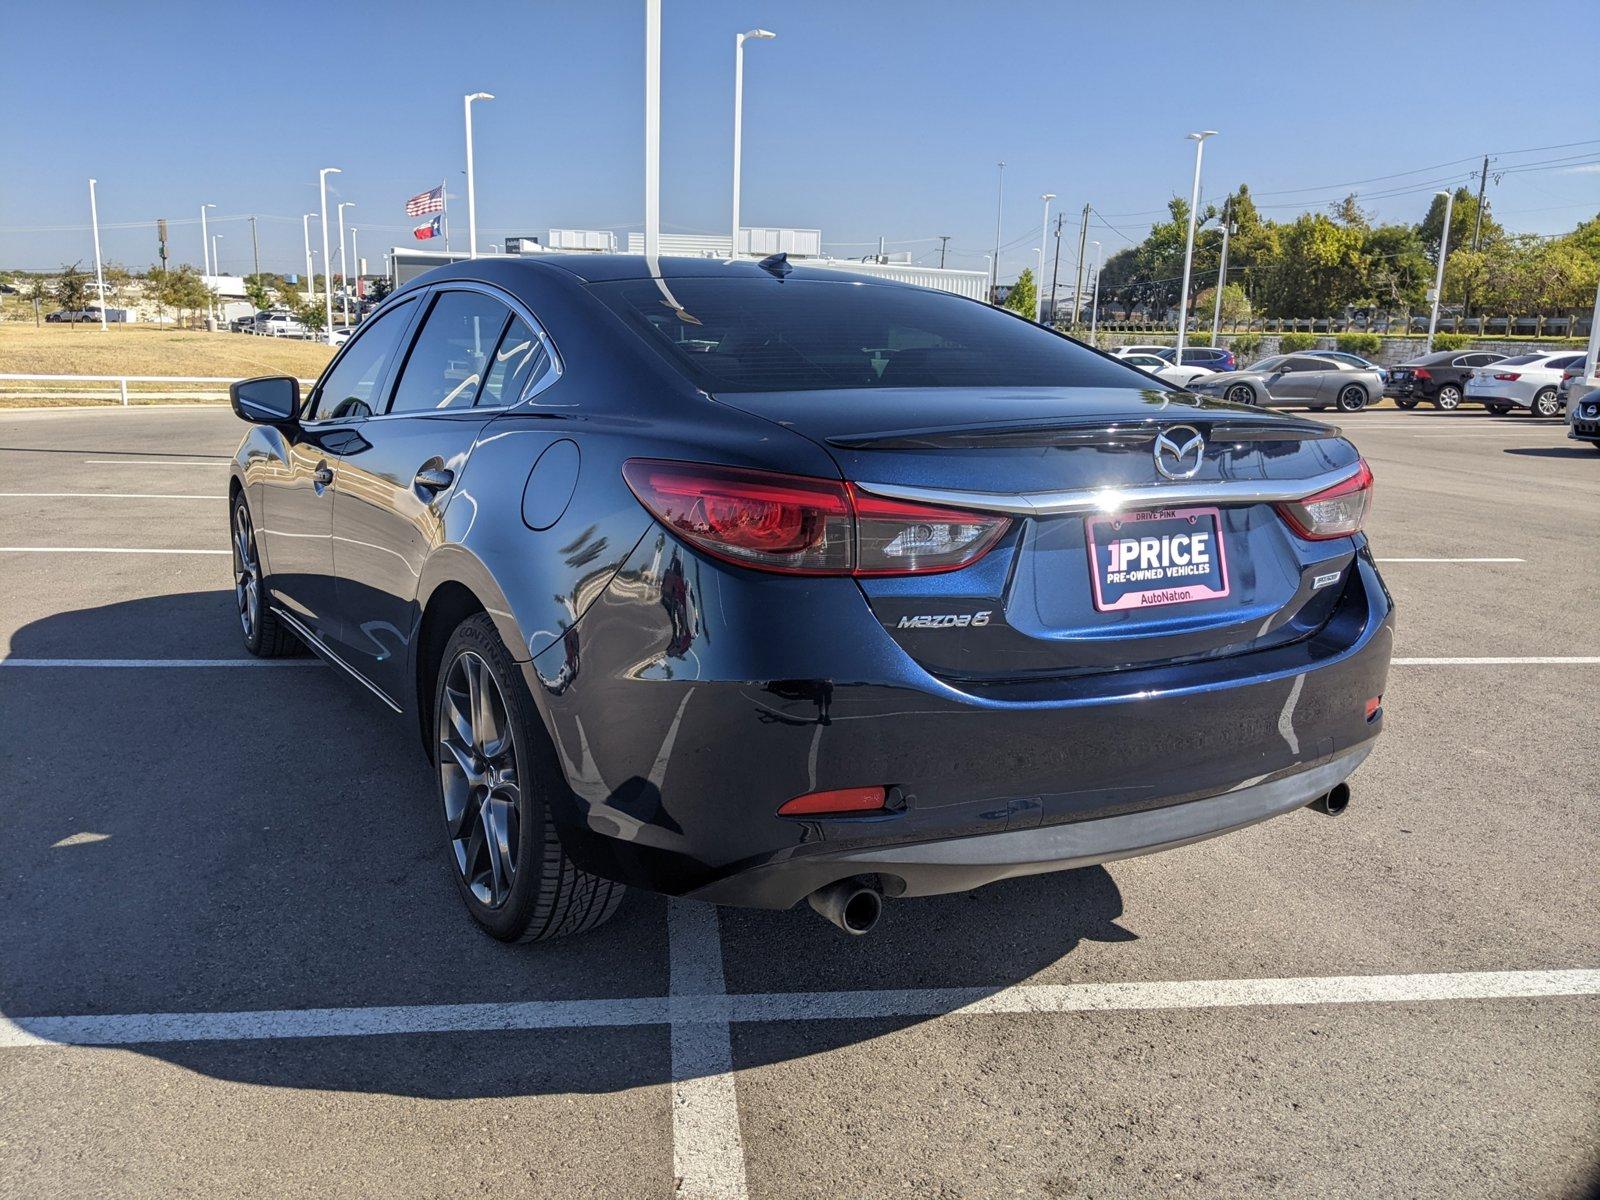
{"x": 753, "y": 584}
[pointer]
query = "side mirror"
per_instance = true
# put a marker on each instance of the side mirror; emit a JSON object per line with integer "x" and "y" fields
{"x": 268, "y": 400}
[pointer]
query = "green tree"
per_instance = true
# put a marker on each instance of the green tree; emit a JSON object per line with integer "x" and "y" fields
{"x": 1319, "y": 270}
{"x": 378, "y": 290}
{"x": 310, "y": 313}
{"x": 259, "y": 289}
{"x": 1024, "y": 296}
{"x": 1235, "y": 305}
{"x": 72, "y": 290}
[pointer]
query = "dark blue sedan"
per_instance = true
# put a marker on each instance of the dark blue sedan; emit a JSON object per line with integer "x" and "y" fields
{"x": 757, "y": 583}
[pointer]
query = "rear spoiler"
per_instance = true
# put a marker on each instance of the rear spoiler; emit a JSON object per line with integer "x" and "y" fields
{"x": 1092, "y": 432}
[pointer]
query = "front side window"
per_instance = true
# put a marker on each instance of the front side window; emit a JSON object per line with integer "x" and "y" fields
{"x": 350, "y": 389}
{"x": 448, "y": 361}
{"x": 772, "y": 335}
{"x": 1268, "y": 364}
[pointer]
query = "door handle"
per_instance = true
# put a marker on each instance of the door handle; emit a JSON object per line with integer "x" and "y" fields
{"x": 434, "y": 479}
{"x": 323, "y": 475}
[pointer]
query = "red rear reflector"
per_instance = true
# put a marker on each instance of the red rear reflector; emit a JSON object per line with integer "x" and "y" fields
{"x": 1334, "y": 512}
{"x": 798, "y": 525}
{"x": 1373, "y": 706}
{"x": 842, "y": 800}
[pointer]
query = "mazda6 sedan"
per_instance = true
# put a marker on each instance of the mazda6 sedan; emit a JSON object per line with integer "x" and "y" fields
{"x": 755, "y": 583}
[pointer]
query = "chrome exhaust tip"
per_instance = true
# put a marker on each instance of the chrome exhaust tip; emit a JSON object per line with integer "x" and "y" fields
{"x": 854, "y": 905}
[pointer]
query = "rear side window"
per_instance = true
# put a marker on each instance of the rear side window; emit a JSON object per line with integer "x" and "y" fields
{"x": 772, "y": 335}
{"x": 350, "y": 389}
{"x": 1562, "y": 364}
{"x": 448, "y": 361}
{"x": 521, "y": 359}
{"x": 1521, "y": 360}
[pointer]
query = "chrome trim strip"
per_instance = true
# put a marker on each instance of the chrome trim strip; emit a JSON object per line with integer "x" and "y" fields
{"x": 323, "y": 652}
{"x": 1118, "y": 499}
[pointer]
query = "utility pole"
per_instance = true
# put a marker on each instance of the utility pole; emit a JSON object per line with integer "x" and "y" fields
{"x": 944, "y": 240}
{"x": 1222, "y": 272}
{"x": 1477, "y": 230}
{"x": 1055, "y": 275}
{"x": 999, "y": 208}
{"x": 255, "y": 246}
{"x": 1077, "y": 287}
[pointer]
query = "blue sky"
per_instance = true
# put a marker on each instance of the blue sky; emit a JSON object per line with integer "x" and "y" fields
{"x": 861, "y": 119}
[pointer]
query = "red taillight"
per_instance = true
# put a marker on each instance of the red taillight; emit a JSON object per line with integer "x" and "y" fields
{"x": 1509, "y": 376}
{"x": 802, "y": 526}
{"x": 1422, "y": 373}
{"x": 841, "y": 800}
{"x": 1333, "y": 512}
{"x": 1374, "y": 707}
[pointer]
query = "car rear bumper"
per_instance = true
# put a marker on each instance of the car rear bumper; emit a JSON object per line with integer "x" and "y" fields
{"x": 688, "y": 705}
{"x": 960, "y": 864}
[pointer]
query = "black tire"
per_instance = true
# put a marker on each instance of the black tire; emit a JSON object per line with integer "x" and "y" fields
{"x": 1447, "y": 398}
{"x": 1240, "y": 393}
{"x": 1406, "y": 402}
{"x": 1546, "y": 403}
{"x": 1498, "y": 410}
{"x": 265, "y": 636}
{"x": 1352, "y": 399}
{"x": 547, "y": 895}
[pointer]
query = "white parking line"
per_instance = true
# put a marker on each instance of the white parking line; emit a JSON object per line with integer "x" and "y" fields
{"x": 150, "y": 462}
{"x": 1451, "y": 560}
{"x": 707, "y": 1146}
{"x": 103, "y": 496}
{"x": 124, "y": 663}
{"x": 722, "y": 1009}
{"x": 1537, "y": 661}
{"x": 100, "y": 550}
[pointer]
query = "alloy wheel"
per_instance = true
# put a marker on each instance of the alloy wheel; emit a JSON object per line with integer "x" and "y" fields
{"x": 1545, "y": 404}
{"x": 1242, "y": 393}
{"x": 1449, "y": 398}
{"x": 1352, "y": 399}
{"x": 246, "y": 572}
{"x": 480, "y": 783}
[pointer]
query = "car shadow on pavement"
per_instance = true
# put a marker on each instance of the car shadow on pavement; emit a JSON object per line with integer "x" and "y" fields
{"x": 236, "y": 840}
{"x": 1552, "y": 451}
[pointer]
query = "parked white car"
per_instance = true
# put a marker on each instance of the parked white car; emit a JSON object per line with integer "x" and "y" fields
{"x": 1124, "y": 351}
{"x": 1164, "y": 370}
{"x": 279, "y": 324}
{"x": 1529, "y": 381}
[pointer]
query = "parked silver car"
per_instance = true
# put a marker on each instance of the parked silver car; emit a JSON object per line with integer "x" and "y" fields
{"x": 1307, "y": 379}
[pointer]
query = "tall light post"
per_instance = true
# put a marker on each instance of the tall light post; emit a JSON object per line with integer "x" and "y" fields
{"x": 999, "y": 207}
{"x": 205, "y": 255}
{"x": 652, "y": 129}
{"x": 1199, "y": 140}
{"x": 1444, "y": 252}
{"x": 1222, "y": 271}
{"x": 1094, "y": 306}
{"x": 472, "y": 200}
{"x": 99, "y": 271}
{"x": 305, "y": 230}
{"x": 1044, "y": 240}
{"x": 355, "y": 257}
{"x": 216, "y": 259}
{"x": 344, "y": 270}
{"x": 327, "y": 273}
{"x": 759, "y": 35}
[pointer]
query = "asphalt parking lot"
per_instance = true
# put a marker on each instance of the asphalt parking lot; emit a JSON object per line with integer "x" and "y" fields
{"x": 232, "y": 960}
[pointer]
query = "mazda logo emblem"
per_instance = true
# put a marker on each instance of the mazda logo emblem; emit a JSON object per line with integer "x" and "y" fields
{"x": 1178, "y": 452}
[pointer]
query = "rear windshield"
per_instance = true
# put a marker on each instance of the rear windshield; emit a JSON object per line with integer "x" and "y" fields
{"x": 758, "y": 335}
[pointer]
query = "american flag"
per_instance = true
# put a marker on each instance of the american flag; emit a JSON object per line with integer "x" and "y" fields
{"x": 422, "y": 203}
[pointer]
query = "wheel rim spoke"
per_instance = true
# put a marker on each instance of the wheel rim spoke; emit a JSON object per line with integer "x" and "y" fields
{"x": 478, "y": 779}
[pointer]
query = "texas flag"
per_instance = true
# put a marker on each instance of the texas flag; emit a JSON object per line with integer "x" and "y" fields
{"x": 430, "y": 229}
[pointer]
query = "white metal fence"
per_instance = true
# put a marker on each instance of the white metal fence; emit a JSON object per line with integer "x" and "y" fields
{"x": 128, "y": 389}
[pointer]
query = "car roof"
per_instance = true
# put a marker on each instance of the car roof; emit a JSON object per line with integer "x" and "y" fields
{"x": 611, "y": 268}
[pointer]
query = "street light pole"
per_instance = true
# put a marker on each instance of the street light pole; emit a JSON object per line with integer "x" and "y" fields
{"x": 216, "y": 259}
{"x": 305, "y": 231}
{"x": 344, "y": 270}
{"x": 1444, "y": 252}
{"x": 999, "y": 198}
{"x": 205, "y": 255}
{"x": 472, "y": 199}
{"x": 1044, "y": 240}
{"x": 1199, "y": 140}
{"x": 652, "y": 130}
{"x": 1222, "y": 272}
{"x": 327, "y": 273}
{"x": 355, "y": 256}
{"x": 99, "y": 271}
{"x": 760, "y": 35}
{"x": 1094, "y": 307}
